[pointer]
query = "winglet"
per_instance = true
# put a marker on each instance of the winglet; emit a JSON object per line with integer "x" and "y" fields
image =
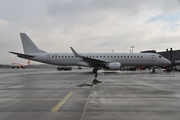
{"x": 75, "y": 53}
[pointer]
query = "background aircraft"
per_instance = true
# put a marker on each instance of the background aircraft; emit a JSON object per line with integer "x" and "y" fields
{"x": 109, "y": 61}
{"x": 18, "y": 65}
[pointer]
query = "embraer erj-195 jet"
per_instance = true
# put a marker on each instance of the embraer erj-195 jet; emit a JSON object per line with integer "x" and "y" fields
{"x": 109, "y": 61}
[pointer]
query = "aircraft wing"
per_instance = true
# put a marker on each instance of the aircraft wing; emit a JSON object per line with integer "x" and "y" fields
{"x": 22, "y": 55}
{"x": 91, "y": 61}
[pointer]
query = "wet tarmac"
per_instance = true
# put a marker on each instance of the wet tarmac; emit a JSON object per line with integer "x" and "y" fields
{"x": 47, "y": 94}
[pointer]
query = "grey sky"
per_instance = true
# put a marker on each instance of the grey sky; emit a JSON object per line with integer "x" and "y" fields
{"x": 89, "y": 25}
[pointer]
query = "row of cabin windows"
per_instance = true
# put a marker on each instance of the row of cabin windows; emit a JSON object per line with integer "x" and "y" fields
{"x": 100, "y": 56}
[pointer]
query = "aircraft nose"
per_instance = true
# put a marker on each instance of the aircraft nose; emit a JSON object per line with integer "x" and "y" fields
{"x": 168, "y": 62}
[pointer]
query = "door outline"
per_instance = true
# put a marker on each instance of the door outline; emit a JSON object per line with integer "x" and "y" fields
{"x": 153, "y": 58}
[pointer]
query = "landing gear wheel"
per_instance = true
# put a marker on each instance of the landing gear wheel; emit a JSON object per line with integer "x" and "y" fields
{"x": 95, "y": 70}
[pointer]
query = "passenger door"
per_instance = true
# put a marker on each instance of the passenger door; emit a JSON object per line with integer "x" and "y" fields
{"x": 153, "y": 58}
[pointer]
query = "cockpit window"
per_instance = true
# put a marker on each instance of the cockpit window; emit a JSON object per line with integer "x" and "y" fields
{"x": 160, "y": 56}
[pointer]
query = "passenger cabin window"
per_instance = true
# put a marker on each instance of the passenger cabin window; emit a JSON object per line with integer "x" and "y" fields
{"x": 160, "y": 56}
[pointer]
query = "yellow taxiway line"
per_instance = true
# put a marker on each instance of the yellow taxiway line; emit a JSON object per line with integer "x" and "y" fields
{"x": 61, "y": 103}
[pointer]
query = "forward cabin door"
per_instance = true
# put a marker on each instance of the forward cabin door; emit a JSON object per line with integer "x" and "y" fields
{"x": 153, "y": 58}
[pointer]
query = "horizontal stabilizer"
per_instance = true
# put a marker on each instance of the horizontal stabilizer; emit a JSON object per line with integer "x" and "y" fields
{"x": 22, "y": 55}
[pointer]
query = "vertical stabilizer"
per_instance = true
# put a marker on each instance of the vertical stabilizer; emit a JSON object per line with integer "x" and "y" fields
{"x": 28, "y": 62}
{"x": 28, "y": 45}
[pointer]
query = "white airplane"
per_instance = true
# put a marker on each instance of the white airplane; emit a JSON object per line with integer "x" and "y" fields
{"x": 109, "y": 61}
{"x": 18, "y": 65}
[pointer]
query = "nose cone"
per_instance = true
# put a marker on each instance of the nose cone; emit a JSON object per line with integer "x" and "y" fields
{"x": 167, "y": 62}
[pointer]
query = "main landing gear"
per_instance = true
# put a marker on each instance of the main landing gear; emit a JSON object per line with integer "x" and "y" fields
{"x": 95, "y": 81}
{"x": 95, "y": 70}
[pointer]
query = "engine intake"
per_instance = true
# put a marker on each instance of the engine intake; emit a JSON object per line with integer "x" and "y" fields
{"x": 114, "y": 66}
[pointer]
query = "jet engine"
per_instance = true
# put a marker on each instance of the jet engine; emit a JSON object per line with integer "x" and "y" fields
{"x": 114, "y": 66}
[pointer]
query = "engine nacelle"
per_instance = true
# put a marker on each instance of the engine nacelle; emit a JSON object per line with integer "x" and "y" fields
{"x": 114, "y": 66}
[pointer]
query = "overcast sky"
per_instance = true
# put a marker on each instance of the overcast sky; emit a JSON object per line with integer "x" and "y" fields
{"x": 89, "y": 25}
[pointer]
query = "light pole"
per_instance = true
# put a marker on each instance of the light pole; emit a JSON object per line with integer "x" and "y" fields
{"x": 112, "y": 50}
{"x": 132, "y": 48}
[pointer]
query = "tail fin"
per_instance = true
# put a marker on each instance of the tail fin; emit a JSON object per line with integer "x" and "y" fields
{"x": 28, "y": 45}
{"x": 28, "y": 62}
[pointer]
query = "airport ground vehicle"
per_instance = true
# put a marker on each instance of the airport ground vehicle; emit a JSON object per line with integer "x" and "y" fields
{"x": 177, "y": 68}
{"x": 64, "y": 68}
{"x": 79, "y": 67}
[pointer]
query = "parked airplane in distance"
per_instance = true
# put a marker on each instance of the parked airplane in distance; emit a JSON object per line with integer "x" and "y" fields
{"x": 18, "y": 65}
{"x": 109, "y": 61}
